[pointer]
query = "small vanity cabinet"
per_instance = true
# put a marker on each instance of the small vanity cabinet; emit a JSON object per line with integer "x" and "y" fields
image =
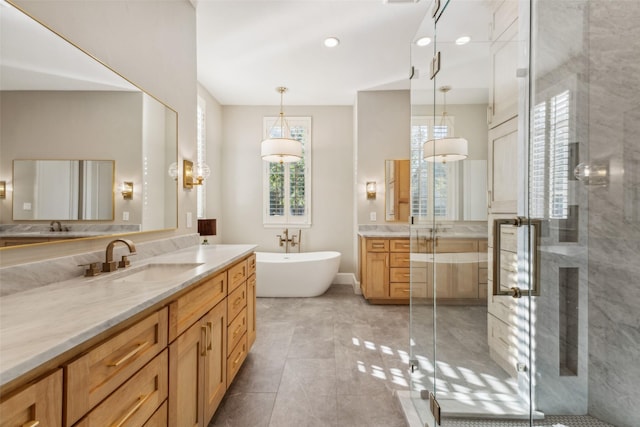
{"x": 386, "y": 269}
{"x": 169, "y": 365}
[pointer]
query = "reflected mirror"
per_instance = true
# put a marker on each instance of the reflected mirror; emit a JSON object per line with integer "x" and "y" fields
{"x": 58, "y": 103}
{"x": 63, "y": 190}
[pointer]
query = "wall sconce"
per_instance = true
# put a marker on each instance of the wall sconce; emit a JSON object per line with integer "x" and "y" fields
{"x": 206, "y": 227}
{"x": 593, "y": 173}
{"x": 371, "y": 190}
{"x": 127, "y": 190}
{"x": 192, "y": 176}
{"x": 3, "y": 189}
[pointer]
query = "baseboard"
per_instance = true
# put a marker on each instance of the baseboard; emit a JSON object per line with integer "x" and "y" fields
{"x": 347, "y": 279}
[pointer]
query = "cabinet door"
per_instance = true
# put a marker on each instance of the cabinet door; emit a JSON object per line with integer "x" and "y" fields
{"x": 377, "y": 275}
{"x": 503, "y": 167}
{"x": 464, "y": 280}
{"x": 215, "y": 361}
{"x": 186, "y": 386}
{"x": 503, "y": 93}
{"x": 443, "y": 284}
{"x": 38, "y": 404}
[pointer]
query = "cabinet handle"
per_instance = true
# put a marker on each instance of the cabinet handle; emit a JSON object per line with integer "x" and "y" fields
{"x": 237, "y": 301}
{"x": 238, "y": 329}
{"x": 133, "y": 410}
{"x": 407, "y": 275}
{"x": 33, "y": 423}
{"x": 204, "y": 341}
{"x": 235, "y": 362}
{"x": 130, "y": 354}
{"x": 377, "y": 245}
{"x": 210, "y": 326}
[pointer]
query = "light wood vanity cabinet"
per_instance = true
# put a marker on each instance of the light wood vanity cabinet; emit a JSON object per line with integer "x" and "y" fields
{"x": 172, "y": 368}
{"x": 386, "y": 270}
{"x": 39, "y": 403}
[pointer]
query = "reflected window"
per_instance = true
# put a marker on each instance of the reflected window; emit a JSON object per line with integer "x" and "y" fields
{"x": 286, "y": 186}
{"x": 549, "y": 158}
{"x": 201, "y": 155}
{"x": 433, "y": 185}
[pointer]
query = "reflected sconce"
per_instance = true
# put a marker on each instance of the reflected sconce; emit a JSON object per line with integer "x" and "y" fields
{"x": 206, "y": 227}
{"x": 371, "y": 190}
{"x": 3, "y": 189}
{"x": 173, "y": 171}
{"x": 127, "y": 190}
{"x": 447, "y": 149}
{"x": 282, "y": 148}
{"x": 194, "y": 175}
{"x": 593, "y": 173}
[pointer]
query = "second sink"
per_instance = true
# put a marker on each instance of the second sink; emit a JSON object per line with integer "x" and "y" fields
{"x": 157, "y": 272}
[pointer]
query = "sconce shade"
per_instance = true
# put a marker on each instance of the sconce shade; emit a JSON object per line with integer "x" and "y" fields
{"x": 207, "y": 227}
{"x": 281, "y": 150}
{"x": 371, "y": 190}
{"x": 127, "y": 190}
{"x": 444, "y": 150}
{"x": 3, "y": 189}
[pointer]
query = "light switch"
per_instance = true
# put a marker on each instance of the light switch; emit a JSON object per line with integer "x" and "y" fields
{"x": 26, "y": 206}
{"x": 189, "y": 220}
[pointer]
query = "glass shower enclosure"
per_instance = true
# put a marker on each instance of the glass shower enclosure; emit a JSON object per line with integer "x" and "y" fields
{"x": 500, "y": 267}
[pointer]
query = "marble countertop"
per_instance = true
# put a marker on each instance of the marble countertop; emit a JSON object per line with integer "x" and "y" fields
{"x": 54, "y": 234}
{"x": 405, "y": 234}
{"x": 40, "y": 324}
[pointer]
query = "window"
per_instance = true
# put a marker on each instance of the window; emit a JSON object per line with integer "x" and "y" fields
{"x": 201, "y": 156}
{"x": 433, "y": 185}
{"x": 549, "y": 158}
{"x": 287, "y": 186}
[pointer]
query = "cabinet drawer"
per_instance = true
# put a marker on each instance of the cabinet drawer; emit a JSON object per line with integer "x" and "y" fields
{"x": 400, "y": 275}
{"x": 235, "y": 359}
{"x": 236, "y": 302}
{"x": 251, "y": 265}
{"x": 377, "y": 245}
{"x": 190, "y": 307}
{"x": 159, "y": 419}
{"x": 96, "y": 374}
{"x": 238, "y": 274}
{"x": 236, "y": 330}
{"x": 400, "y": 245}
{"x": 40, "y": 402}
{"x": 400, "y": 260}
{"x": 136, "y": 401}
{"x": 456, "y": 245}
{"x": 399, "y": 290}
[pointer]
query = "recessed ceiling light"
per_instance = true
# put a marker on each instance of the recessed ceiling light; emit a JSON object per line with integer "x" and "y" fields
{"x": 463, "y": 40}
{"x": 331, "y": 42}
{"x": 423, "y": 41}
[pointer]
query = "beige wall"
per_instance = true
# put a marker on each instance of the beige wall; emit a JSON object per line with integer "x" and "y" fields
{"x": 332, "y": 180}
{"x": 213, "y": 126}
{"x": 383, "y": 120}
{"x": 153, "y": 45}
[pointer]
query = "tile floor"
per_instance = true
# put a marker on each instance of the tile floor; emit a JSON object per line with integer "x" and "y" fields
{"x": 336, "y": 360}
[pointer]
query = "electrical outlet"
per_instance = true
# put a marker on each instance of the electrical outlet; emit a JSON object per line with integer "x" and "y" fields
{"x": 373, "y": 216}
{"x": 125, "y": 216}
{"x": 189, "y": 220}
{"x": 26, "y": 206}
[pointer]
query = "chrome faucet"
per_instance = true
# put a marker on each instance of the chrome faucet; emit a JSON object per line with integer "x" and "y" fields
{"x": 110, "y": 264}
{"x": 52, "y": 228}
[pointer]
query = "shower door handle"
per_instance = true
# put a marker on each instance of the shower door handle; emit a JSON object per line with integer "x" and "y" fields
{"x": 516, "y": 292}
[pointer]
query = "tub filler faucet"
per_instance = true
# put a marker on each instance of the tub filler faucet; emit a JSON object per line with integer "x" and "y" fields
{"x": 286, "y": 240}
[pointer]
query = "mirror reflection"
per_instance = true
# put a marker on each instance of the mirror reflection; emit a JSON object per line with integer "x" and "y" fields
{"x": 58, "y": 103}
{"x": 63, "y": 190}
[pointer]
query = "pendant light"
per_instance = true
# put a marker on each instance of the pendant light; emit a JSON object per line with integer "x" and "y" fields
{"x": 281, "y": 149}
{"x": 449, "y": 148}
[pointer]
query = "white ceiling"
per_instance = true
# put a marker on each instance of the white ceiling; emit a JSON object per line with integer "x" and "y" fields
{"x": 247, "y": 48}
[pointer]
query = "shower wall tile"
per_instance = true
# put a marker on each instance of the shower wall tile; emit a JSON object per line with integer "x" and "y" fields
{"x": 614, "y": 226}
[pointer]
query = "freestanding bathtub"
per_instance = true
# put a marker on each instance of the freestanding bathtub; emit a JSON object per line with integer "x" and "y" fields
{"x": 306, "y": 274}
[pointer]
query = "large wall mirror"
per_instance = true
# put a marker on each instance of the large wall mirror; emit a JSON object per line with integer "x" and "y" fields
{"x": 60, "y": 104}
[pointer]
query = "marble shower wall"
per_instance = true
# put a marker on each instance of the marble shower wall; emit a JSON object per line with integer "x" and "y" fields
{"x": 614, "y": 220}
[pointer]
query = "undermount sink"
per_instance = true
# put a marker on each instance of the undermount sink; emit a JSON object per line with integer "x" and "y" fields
{"x": 157, "y": 272}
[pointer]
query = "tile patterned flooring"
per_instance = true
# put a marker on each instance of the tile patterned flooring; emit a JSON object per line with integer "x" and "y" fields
{"x": 336, "y": 360}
